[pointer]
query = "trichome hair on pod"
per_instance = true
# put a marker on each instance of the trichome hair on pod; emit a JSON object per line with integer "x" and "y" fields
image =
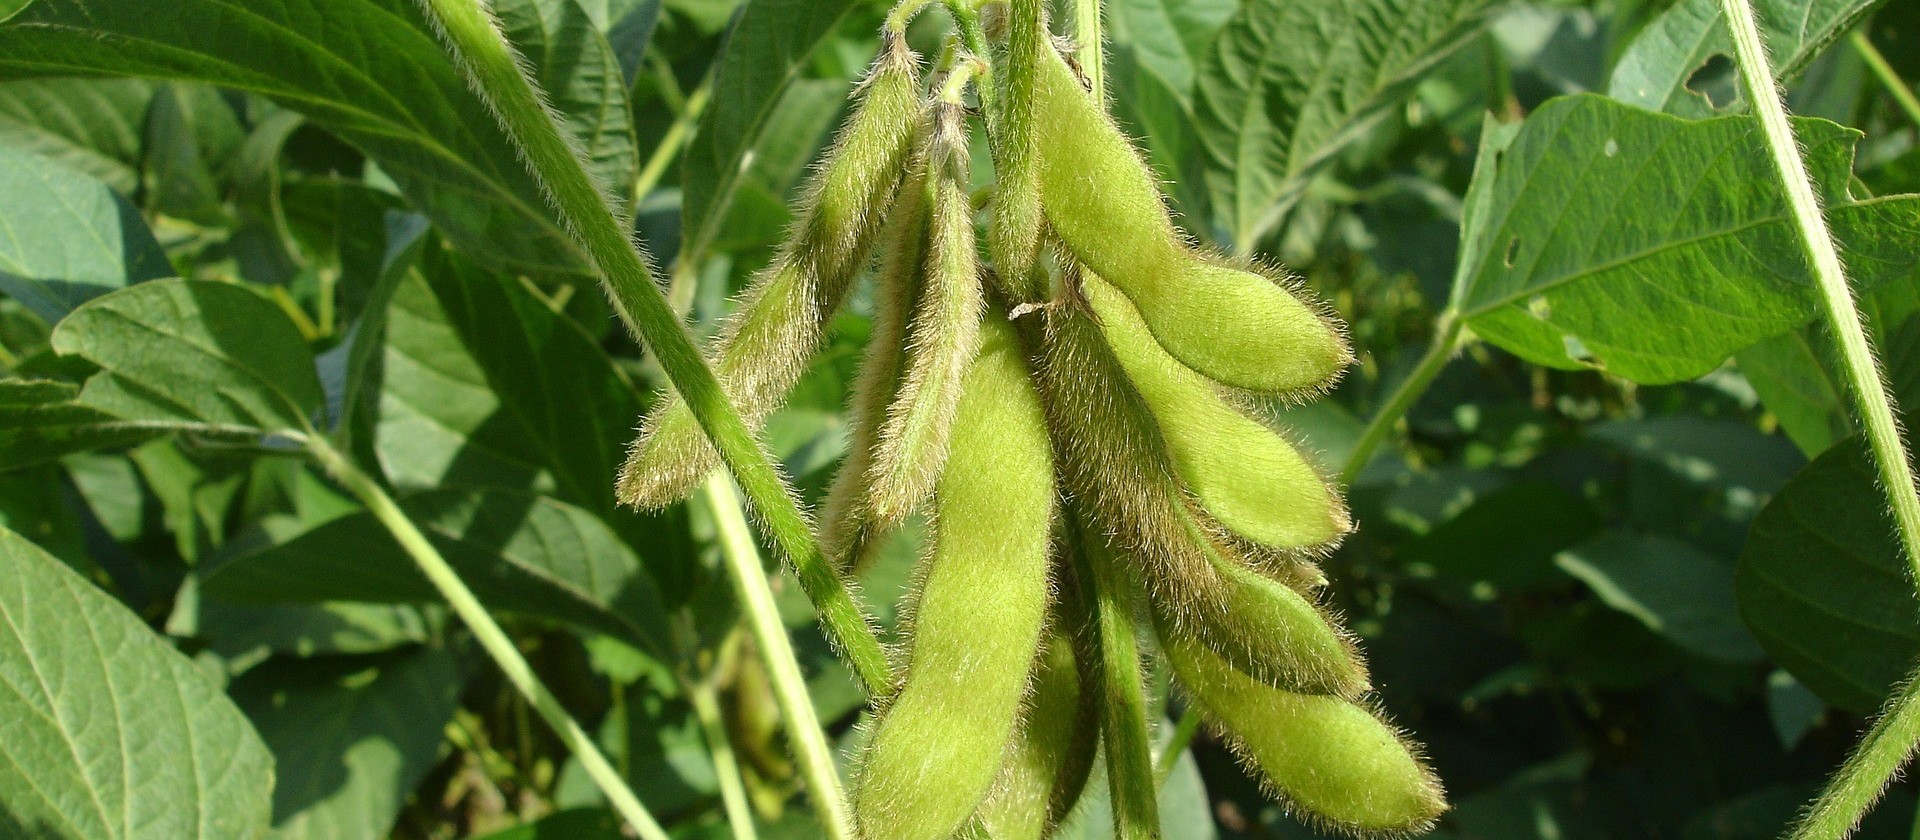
{"x": 1078, "y": 413}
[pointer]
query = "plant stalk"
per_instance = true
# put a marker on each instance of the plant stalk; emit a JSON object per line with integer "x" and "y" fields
{"x": 672, "y": 142}
{"x": 1133, "y": 784}
{"x": 497, "y": 75}
{"x": 1090, "y": 36}
{"x": 1882, "y": 70}
{"x": 492, "y": 638}
{"x": 1875, "y": 761}
{"x": 770, "y": 636}
{"x": 1183, "y": 733}
{"x": 1446, "y": 342}
{"x": 726, "y": 767}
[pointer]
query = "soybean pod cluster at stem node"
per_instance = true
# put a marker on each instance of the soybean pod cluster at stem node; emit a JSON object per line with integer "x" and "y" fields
{"x": 1071, "y": 417}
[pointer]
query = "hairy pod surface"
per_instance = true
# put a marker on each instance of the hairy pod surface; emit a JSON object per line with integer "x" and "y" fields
{"x": 1245, "y": 475}
{"x": 764, "y": 346}
{"x": 942, "y": 336}
{"x": 1237, "y": 327}
{"x": 1327, "y": 757}
{"x": 976, "y": 631}
{"x": 1017, "y": 220}
{"x": 1115, "y": 460}
{"x": 1050, "y": 758}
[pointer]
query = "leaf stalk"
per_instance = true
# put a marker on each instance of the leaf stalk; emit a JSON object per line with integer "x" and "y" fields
{"x": 1447, "y": 338}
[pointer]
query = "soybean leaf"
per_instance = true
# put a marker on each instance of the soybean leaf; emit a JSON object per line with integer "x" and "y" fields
{"x": 1507, "y": 538}
{"x": 1670, "y": 66}
{"x": 1823, "y": 584}
{"x": 9, "y": 8}
{"x": 762, "y": 55}
{"x": 351, "y": 736}
{"x": 41, "y": 421}
{"x": 92, "y": 126}
{"x": 1796, "y": 378}
{"x": 519, "y": 552}
{"x": 107, "y": 733}
{"x": 572, "y": 824}
{"x": 193, "y": 137}
{"x": 194, "y": 354}
{"x": 628, "y": 25}
{"x": 1673, "y": 588}
{"x": 583, "y": 79}
{"x": 1156, "y": 49}
{"x": 249, "y": 632}
{"x": 1596, "y": 227}
{"x": 1288, "y": 83}
{"x": 368, "y": 70}
{"x": 1717, "y": 452}
{"x": 66, "y": 238}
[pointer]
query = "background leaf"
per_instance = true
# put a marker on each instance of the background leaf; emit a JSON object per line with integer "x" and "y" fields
{"x": 66, "y": 238}
{"x": 105, "y": 732}
{"x": 1673, "y": 588}
{"x": 1671, "y": 65}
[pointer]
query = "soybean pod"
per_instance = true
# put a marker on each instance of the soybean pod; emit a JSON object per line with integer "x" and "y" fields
{"x": 764, "y": 346}
{"x": 938, "y": 746}
{"x": 1049, "y": 760}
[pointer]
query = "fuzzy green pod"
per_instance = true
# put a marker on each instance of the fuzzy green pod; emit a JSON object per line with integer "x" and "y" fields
{"x": 764, "y": 346}
{"x": 942, "y": 336}
{"x": 976, "y": 628}
{"x": 1329, "y": 758}
{"x": 1237, "y": 327}
{"x": 1246, "y": 476}
{"x": 1049, "y": 760}
{"x": 1115, "y": 459}
{"x": 1017, "y": 219}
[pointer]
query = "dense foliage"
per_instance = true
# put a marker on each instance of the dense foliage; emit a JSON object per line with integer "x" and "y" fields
{"x": 1620, "y": 561}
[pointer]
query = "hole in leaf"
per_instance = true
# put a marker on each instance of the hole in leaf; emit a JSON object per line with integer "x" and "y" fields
{"x": 1612, "y": 148}
{"x": 1538, "y": 307}
{"x": 1716, "y": 80}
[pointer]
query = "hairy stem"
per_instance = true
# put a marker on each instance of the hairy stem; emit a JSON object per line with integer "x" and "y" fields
{"x": 492, "y": 638}
{"x": 1884, "y": 72}
{"x": 1090, "y": 37}
{"x": 1133, "y": 784}
{"x": 1859, "y": 783}
{"x": 770, "y": 636}
{"x": 1446, "y": 342}
{"x": 497, "y": 76}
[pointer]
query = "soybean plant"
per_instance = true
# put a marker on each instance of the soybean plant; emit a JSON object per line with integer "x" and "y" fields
{"x": 1071, "y": 415}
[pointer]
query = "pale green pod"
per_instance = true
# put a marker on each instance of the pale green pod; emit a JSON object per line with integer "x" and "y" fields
{"x": 1235, "y": 326}
{"x": 1017, "y": 220}
{"x": 764, "y": 347}
{"x": 976, "y": 628}
{"x": 1114, "y": 458}
{"x": 1048, "y": 762}
{"x": 847, "y": 528}
{"x": 942, "y": 336}
{"x": 1330, "y": 759}
{"x": 1245, "y": 475}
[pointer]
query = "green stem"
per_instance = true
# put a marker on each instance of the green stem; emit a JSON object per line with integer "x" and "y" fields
{"x": 1183, "y": 733}
{"x": 492, "y": 638}
{"x": 1863, "y": 778}
{"x": 1123, "y": 708}
{"x": 1859, "y": 783}
{"x": 1446, "y": 341}
{"x": 497, "y": 76}
{"x": 733, "y": 786}
{"x": 672, "y": 142}
{"x": 1884, "y": 71}
{"x": 770, "y": 636}
{"x": 1088, "y": 34}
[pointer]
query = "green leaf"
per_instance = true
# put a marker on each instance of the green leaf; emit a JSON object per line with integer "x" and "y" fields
{"x": 628, "y": 25}
{"x": 1661, "y": 63}
{"x": 41, "y": 421}
{"x": 367, "y": 70}
{"x": 520, "y": 553}
{"x": 1596, "y": 227}
{"x": 582, "y": 77}
{"x": 574, "y": 824}
{"x": 485, "y": 384}
{"x": 1507, "y": 538}
{"x": 1288, "y": 83}
{"x": 1797, "y": 380}
{"x": 762, "y": 55}
{"x": 351, "y": 736}
{"x": 194, "y": 354}
{"x": 1716, "y": 452}
{"x": 107, "y": 733}
{"x": 66, "y": 238}
{"x": 92, "y": 126}
{"x": 1673, "y": 588}
{"x": 1156, "y": 47}
{"x": 1823, "y": 584}
{"x": 9, "y": 8}
{"x": 193, "y": 136}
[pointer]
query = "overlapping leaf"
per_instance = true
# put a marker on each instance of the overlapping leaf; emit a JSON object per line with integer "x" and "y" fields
{"x": 1662, "y": 68}
{"x": 66, "y": 238}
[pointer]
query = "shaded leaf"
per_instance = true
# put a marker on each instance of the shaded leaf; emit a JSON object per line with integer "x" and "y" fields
{"x": 762, "y": 55}
{"x": 106, "y": 732}
{"x": 194, "y": 354}
{"x": 1666, "y": 67}
{"x": 91, "y": 126}
{"x": 1671, "y": 587}
{"x": 1507, "y": 538}
{"x": 351, "y": 736}
{"x": 1596, "y": 227}
{"x": 518, "y": 552}
{"x": 41, "y": 420}
{"x": 1288, "y": 83}
{"x": 1823, "y": 584}
{"x": 573, "y": 824}
{"x": 1716, "y": 452}
{"x": 66, "y": 238}
{"x": 583, "y": 79}
{"x": 1797, "y": 380}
